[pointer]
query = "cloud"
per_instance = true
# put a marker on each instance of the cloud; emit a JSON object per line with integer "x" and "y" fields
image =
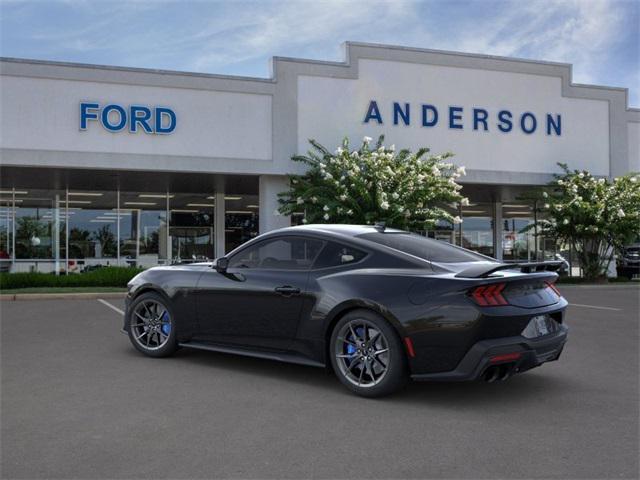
{"x": 600, "y": 38}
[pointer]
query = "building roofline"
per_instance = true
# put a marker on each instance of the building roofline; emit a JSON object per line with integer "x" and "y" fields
{"x": 347, "y": 62}
{"x": 118, "y": 68}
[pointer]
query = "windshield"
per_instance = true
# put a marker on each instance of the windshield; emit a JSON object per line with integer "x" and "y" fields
{"x": 425, "y": 248}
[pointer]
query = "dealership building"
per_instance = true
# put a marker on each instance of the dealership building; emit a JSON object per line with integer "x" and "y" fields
{"x": 105, "y": 165}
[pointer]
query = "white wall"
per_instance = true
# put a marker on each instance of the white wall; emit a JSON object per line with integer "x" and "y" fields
{"x": 633, "y": 138}
{"x": 329, "y": 108}
{"x": 44, "y": 114}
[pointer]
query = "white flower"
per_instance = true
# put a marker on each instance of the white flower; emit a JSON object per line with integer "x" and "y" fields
{"x": 565, "y": 221}
{"x": 314, "y": 199}
{"x": 339, "y": 151}
{"x": 545, "y": 195}
{"x": 326, "y": 216}
{"x": 457, "y": 220}
{"x": 355, "y": 154}
{"x": 392, "y": 148}
{"x": 322, "y": 166}
{"x": 633, "y": 179}
{"x": 581, "y": 175}
{"x": 343, "y": 197}
{"x": 349, "y": 212}
{"x": 328, "y": 176}
{"x": 384, "y": 205}
{"x": 325, "y": 208}
{"x": 367, "y": 139}
{"x": 546, "y": 205}
{"x": 560, "y": 182}
{"x": 464, "y": 202}
{"x": 304, "y": 220}
{"x": 299, "y": 200}
{"x": 621, "y": 213}
{"x": 395, "y": 195}
{"x": 461, "y": 170}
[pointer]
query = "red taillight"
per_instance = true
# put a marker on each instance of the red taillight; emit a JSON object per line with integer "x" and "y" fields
{"x": 554, "y": 288}
{"x": 489, "y": 295}
{"x": 507, "y": 357}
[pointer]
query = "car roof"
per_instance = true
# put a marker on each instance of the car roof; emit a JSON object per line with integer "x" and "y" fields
{"x": 348, "y": 230}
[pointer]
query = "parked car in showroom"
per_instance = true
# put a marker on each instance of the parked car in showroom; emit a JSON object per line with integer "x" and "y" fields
{"x": 376, "y": 305}
{"x": 628, "y": 263}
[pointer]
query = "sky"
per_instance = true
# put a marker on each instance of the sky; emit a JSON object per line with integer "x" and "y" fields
{"x": 600, "y": 38}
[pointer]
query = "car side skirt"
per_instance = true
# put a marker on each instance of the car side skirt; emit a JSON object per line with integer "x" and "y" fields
{"x": 286, "y": 357}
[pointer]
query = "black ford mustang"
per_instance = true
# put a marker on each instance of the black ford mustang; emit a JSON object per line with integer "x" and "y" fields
{"x": 376, "y": 305}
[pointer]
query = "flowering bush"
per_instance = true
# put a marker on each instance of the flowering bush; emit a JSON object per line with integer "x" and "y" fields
{"x": 597, "y": 217}
{"x": 373, "y": 183}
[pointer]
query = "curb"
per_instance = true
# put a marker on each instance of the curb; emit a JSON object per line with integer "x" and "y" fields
{"x": 61, "y": 296}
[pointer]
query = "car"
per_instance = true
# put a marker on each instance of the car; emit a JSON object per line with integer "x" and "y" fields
{"x": 375, "y": 305}
{"x": 628, "y": 263}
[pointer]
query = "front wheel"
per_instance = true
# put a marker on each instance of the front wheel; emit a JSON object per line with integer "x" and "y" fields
{"x": 152, "y": 328}
{"x": 367, "y": 354}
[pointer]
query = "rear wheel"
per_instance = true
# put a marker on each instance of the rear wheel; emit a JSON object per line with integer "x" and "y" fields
{"x": 367, "y": 354}
{"x": 151, "y": 325}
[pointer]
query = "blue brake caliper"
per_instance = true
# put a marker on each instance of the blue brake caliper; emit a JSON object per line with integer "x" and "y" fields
{"x": 166, "y": 327}
{"x": 350, "y": 348}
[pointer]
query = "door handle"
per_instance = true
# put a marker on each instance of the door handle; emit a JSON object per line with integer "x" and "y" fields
{"x": 287, "y": 290}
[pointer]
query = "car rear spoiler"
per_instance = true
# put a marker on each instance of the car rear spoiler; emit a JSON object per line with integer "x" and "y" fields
{"x": 483, "y": 271}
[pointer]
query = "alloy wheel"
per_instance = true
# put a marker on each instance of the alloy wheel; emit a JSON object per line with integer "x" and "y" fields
{"x": 362, "y": 353}
{"x": 150, "y": 324}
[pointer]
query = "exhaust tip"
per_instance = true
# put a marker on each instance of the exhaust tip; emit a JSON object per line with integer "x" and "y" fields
{"x": 492, "y": 374}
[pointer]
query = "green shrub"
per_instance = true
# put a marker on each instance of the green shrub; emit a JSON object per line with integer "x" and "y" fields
{"x": 101, "y": 277}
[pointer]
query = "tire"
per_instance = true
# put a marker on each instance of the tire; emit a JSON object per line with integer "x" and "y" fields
{"x": 361, "y": 369}
{"x": 151, "y": 312}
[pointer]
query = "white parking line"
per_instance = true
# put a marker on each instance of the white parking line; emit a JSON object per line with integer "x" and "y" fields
{"x": 594, "y": 306}
{"x": 112, "y": 307}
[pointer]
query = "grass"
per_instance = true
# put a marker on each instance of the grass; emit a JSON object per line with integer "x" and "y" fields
{"x": 13, "y": 291}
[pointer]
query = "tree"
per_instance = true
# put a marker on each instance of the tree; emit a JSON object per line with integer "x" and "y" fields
{"x": 107, "y": 240}
{"x": 596, "y": 217}
{"x": 373, "y": 184}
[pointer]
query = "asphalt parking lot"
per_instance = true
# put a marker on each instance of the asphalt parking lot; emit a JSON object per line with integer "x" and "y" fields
{"x": 79, "y": 402}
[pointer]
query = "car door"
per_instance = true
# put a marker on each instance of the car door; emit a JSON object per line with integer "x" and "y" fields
{"x": 257, "y": 301}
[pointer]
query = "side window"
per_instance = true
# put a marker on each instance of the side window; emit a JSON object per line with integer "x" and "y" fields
{"x": 284, "y": 253}
{"x": 336, "y": 254}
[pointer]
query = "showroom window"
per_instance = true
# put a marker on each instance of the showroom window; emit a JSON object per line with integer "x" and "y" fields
{"x": 518, "y": 239}
{"x": 192, "y": 227}
{"x": 144, "y": 228}
{"x": 477, "y": 228}
{"x": 241, "y": 219}
{"x": 91, "y": 229}
{"x": 46, "y": 230}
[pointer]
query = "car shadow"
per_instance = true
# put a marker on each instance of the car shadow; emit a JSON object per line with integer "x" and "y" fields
{"x": 525, "y": 387}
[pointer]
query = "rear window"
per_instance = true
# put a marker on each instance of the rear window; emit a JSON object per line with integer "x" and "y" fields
{"x": 423, "y": 247}
{"x": 337, "y": 254}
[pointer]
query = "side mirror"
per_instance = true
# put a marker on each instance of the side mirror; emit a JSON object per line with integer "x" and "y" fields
{"x": 221, "y": 264}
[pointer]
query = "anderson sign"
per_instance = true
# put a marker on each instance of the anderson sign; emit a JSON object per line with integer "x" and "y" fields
{"x": 460, "y": 118}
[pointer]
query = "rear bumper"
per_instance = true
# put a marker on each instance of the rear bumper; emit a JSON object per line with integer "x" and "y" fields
{"x": 533, "y": 353}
